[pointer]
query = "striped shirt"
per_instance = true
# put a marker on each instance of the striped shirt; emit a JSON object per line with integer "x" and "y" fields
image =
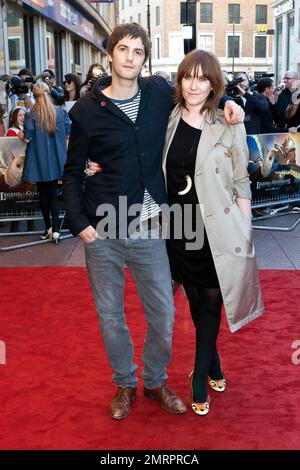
{"x": 131, "y": 108}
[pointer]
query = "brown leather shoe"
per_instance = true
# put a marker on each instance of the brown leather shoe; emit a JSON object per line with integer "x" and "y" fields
{"x": 121, "y": 405}
{"x": 168, "y": 400}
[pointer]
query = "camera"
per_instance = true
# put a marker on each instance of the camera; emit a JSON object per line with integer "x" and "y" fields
{"x": 46, "y": 77}
{"x": 97, "y": 73}
{"x": 253, "y": 83}
{"x": 231, "y": 88}
{"x": 16, "y": 85}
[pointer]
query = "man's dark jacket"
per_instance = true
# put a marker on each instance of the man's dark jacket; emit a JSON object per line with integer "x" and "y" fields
{"x": 130, "y": 154}
{"x": 254, "y": 109}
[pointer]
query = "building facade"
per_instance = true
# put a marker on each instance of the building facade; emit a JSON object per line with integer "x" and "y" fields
{"x": 287, "y": 37}
{"x": 236, "y": 31}
{"x": 62, "y": 35}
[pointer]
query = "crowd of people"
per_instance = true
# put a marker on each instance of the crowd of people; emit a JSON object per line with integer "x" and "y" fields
{"x": 268, "y": 109}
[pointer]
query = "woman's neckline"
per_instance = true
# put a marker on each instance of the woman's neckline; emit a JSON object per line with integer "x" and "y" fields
{"x": 193, "y": 127}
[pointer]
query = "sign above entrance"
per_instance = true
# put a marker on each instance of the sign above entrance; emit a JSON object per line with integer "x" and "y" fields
{"x": 65, "y": 15}
{"x": 284, "y": 8}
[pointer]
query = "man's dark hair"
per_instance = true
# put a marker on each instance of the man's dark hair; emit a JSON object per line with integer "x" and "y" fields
{"x": 134, "y": 31}
{"x": 50, "y": 72}
{"x": 26, "y": 72}
{"x": 264, "y": 83}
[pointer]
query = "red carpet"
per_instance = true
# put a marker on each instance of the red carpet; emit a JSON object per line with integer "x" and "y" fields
{"x": 56, "y": 384}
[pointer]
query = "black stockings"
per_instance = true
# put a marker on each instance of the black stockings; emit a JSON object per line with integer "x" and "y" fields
{"x": 205, "y": 306}
{"x": 49, "y": 204}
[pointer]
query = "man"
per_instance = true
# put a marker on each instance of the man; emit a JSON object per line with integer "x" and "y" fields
{"x": 24, "y": 98}
{"x": 122, "y": 128}
{"x": 265, "y": 87}
{"x": 56, "y": 91}
{"x": 289, "y": 111}
{"x": 253, "y": 105}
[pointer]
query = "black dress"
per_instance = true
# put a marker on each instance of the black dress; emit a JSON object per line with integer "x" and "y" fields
{"x": 189, "y": 267}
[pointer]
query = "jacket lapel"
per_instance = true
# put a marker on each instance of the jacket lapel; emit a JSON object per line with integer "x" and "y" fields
{"x": 214, "y": 127}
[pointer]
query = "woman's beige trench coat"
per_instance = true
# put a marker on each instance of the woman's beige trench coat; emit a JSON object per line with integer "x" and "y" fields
{"x": 221, "y": 176}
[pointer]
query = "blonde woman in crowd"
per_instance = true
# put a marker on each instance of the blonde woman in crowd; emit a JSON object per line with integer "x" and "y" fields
{"x": 46, "y": 128}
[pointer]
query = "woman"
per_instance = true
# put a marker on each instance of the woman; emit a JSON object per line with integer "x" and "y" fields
{"x": 205, "y": 165}
{"x": 71, "y": 86}
{"x": 16, "y": 122}
{"x": 46, "y": 128}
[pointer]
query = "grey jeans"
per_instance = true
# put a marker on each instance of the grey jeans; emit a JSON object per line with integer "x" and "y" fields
{"x": 148, "y": 263}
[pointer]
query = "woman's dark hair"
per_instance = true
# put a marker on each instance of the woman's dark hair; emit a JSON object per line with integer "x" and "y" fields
{"x": 13, "y": 118}
{"x": 134, "y": 31}
{"x": 26, "y": 72}
{"x": 77, "y": 82}
{"x": 211, "y": 69}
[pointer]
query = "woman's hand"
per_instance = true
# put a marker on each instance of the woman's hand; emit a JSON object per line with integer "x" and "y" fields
{"x": 92, "y": 168}
{"x": 245, "y": 206}
{"x": 233, "y": 113}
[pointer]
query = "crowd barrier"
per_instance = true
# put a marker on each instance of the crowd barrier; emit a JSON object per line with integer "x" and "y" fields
{"x": 274, "y": 168}
{"x": 18, "y": 200}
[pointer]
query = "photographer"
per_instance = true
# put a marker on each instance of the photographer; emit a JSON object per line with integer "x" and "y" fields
{"x": 95, "y": 71}
{"x": 56, "y": 91}
{"x": 266, "y": 89}
{"x": 253, "y": 104}
{"x": 19, "y": 89}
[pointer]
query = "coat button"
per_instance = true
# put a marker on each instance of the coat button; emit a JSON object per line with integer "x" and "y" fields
{"x": 103, "y": 103}
{"x": 226, "y": 210}
{"x": 217, "y": 170}
{"x": 137, "y": 128}
{"x": 237, "y": 249}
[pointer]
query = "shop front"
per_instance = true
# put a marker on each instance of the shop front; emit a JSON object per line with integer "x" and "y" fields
{"x": 48, "y": 34}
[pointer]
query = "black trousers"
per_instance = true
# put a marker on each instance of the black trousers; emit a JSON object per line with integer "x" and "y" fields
{"x": 205, "y": 307}
{"x": 49, "y": 203}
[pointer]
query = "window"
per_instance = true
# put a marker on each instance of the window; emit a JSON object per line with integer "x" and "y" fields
{"x": 206, "y": 42}
{"x": 158, "y": 48}
{"x": 123, "y": 4}
{"x": 260, "y": 47}
{"x": 261, "y": 14}
{"x": 130, "y": 3}
{"x": 14, "y": 48}
{"x": 139, "y": 18}
{"x": 234, "y": 13}
{"x": 291, "y": 41}
{"x": 205, "y": 12}
{"x": 279, "y": 50}
{"x": 13, "y": 18}
{"x": 76, "y": 45}
{"x": 233, "y": 46}
{"x": 130, "y": 19}
{"x": 157, "y": 16}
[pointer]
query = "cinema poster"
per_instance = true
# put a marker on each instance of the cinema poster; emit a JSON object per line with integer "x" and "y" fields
{"x": 15, "y": 195}
{"x": 274, "y": 166}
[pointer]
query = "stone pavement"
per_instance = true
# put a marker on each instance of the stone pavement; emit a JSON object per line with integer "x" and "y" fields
{"x": 274, "y": 250}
